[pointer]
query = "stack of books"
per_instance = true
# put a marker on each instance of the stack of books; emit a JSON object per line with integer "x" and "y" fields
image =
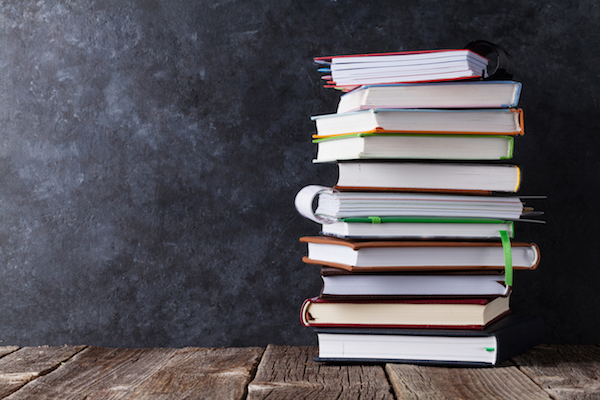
{"x": 415, "y": 248}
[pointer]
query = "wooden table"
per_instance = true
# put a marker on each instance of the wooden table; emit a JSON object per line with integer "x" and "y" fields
{"x": 284, "y": 372}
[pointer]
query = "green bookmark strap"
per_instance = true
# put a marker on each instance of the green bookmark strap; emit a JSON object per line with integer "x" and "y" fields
{"x": 375, "y": 220}
{"x": 508, "y": 269}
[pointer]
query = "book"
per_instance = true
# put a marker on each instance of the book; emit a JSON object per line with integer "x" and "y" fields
{"x": 448, "y": 313}
{"x": 402, "y": 255}
{"x": 418, "y": 228}
{"x": 494, "y": 121}
{"x": 428, "y": 176}
{"x": 333, "y": 205}
{"x": 348, "y": 71}
{"x": 338, "y": 283}
{"x": 464, "y": 94}
{"x": 506, "y": 338}
{"x": 361, "y": 146}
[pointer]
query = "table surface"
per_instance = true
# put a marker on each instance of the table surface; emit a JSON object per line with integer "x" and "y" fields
{"x": 284, "y": 372}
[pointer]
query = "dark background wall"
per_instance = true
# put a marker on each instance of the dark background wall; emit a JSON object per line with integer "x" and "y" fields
{"x": 150, "y": 152}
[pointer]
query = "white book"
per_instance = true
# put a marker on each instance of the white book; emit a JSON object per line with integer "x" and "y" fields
{"x": 364, "y": 146}
{"x": 418, "y": 228}
{"x": 337, "y": 282}
{"x": 496, "y": 343}
{"x": 429, "y": 176}
{"x": 411, "y": 66}
{"x": 466, "y": 94}
{"x": 402, "y": 255}
{"x": 500, "y": 121}
{"x": 335, "y": 205}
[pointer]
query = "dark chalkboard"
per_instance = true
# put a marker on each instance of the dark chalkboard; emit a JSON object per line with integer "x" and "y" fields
{"x": 150, "y": 152}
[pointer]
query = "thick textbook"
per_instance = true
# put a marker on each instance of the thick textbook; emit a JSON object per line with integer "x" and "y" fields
{"x": 364, "y": 146}
{"x": 438, "y": 313}
{"x": 338, "y": 283}
{"x": 506, "y": 338}
{"x": 497, "y": 121}
{"x": 403, "y": 255}
{"x": 349, "y": 71}
{"x": 465, "y": 94}
{"x": 424, "y": 176}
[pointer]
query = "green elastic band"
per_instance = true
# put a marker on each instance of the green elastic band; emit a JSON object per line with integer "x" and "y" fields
{"x": 375, "y": 220}
{"x": 508, "y": 269}
{"x": 489, "y": 349}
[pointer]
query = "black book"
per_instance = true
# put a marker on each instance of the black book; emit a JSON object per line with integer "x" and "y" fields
{"x": 500, "y": 341}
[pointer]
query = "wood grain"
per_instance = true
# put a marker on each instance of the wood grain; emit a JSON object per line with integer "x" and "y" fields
{"x": 203, "y": 373}
{"x": 291, "y": 373}
{"x": 190, "y": 373}
{"x": 97, "y": 373}
{"x": 426, "y": 382}
{"x": 4, "y": 350}
{"x": 19, "y": 367}
{"x": 566, "y": 372}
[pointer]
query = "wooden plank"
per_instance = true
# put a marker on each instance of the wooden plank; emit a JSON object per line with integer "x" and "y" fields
{"x": 4, "y": 350}
{"x": 203, "y": 373}
{"x": 108, "y": 373}
{"x": 103, "y": 373}
{"x": 291, "y": 373}
{"x": 426, "y": 382}
{"x": 564, "y": 371}
{"x": 20, "y": 367}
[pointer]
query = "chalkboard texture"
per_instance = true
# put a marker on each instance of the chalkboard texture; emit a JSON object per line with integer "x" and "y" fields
{"x": 150, "y": 152}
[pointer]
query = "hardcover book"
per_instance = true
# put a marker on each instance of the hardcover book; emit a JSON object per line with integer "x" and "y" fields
{"x": 506, "y": 338}
{"x": 498, "y": 121}
{"x": 415, "y": 176}
{"x": 449, "y": 313}
{"x": 465, "y": 94}
{"x": 423, "y": 255}
{"x": 365, "y": 146}
{"x": 339, "y": 283}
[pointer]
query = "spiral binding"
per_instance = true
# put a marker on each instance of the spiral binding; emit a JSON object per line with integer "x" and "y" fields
{"x": 504, "y": 63}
